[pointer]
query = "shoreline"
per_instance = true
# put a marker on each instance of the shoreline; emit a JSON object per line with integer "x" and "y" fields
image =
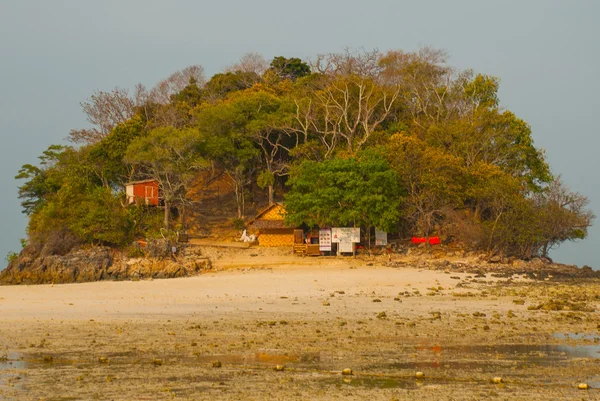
{"x": 158, "y": 339}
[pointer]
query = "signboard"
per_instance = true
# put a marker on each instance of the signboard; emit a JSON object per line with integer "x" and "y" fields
{"x": 345, "y": 234}
{"x": 380, "y": 238}
{"x": 325, "y": 239}
{"x": 346, "y": 247}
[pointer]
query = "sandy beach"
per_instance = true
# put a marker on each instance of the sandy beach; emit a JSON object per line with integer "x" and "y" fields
{"x": 277, "y": 327}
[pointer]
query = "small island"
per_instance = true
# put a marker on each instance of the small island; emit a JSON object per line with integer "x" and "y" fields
{"x": 372, "y": 225}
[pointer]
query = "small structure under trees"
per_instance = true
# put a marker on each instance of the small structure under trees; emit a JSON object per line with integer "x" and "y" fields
{"x": 271, "y": 228}
{"x": 145, "y": 192}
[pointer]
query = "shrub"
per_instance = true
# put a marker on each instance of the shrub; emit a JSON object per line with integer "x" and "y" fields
{"x": 238, "y": 223}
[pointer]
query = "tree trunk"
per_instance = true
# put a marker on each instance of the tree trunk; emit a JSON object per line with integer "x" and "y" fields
{"x": 183, "y": 217}
{"x": 271, "y": 195}
{"x": 167, "y": 210}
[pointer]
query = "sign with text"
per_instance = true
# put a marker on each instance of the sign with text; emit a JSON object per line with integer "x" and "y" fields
{"x": 346, "y": 247}
{"x": 345, "y": 234}
{"x": 325, "y": 239}
{"x": 380, "y": 238}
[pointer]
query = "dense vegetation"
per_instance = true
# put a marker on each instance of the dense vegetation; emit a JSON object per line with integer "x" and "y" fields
{"x": 398, "y": 141}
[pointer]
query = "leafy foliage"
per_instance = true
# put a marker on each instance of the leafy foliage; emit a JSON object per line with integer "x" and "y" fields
{"x": 360, "y": 190}
{"x": 395, "y": 140}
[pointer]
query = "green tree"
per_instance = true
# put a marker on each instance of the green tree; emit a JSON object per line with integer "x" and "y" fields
{"x": 171, "y": 156}
{"x": 41, "y": 181}
{"x": 106, "y": 157}
{"x": 432, "y": 179}
{"x": 289, "y": 68}
{"x": 361, "y": 191}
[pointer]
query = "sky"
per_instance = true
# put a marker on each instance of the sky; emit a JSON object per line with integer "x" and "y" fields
{"x": 55, "y": 54}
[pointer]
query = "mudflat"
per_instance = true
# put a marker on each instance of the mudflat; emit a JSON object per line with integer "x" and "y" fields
{"x": 275, "y": 327}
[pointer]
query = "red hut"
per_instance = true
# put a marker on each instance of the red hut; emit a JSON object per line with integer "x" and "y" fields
{"x": 142, "y": 191}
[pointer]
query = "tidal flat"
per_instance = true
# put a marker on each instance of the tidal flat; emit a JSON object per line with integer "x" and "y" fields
{"x": 288, "y": 331}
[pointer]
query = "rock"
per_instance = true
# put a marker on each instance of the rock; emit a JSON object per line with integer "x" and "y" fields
{"x": 583, "y": 386}
{"x": 419, "y": 375}
{"x": 157, "y": 362}
{"x": 279, "y": 368}
{"x": 381, "y": 315}
{"x": 325, "y": 303}
{"x": 495, "y": 259}
{"x": 347, "y": 372}
{"x": 95, "y": 264}
{"x": 497, "y": 380}
{"x": 217, "y": 364}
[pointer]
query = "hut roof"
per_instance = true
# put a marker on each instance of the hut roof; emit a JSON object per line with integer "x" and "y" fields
{"x": 269, "y": 217}
{"x": 140, "y": 182}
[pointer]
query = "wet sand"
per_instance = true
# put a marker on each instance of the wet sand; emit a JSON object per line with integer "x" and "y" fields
{"x": 159, "y": 340}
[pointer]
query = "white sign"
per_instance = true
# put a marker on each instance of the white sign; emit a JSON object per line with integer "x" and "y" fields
{"x": 325, "y": 239}
{"x": 345, "y": 234}
{"x": 380, "y": 238}
{"x": 346, "y": 247}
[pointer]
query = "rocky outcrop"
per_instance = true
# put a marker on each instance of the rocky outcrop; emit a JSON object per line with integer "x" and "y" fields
{"x": 536, "y": 268}
{"x": 100, "y": 263}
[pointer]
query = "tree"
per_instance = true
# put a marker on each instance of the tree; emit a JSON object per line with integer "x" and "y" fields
{"x": 172, "y": 157}
{"x": 105, "y": 110}
{"x": 220, "y": 85}
{"x": 41, "y": 181}
{"x": 253, "y": 63}
{"x": 348, "y": 110}
{"x": 431, "y": 178}
{"x": 267, "y": 119}
{"x": 350, "y": 103}
{"x": 106, "y": 157}
{"x": 360, "y": 190}
{"x": 176, "y": 82}
{"x": 289, "y": 68}
{"x": 563, "y": 215}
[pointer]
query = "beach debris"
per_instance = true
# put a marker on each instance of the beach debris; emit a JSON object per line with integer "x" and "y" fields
{"x": 217, "y": 364}
{"x": 377, "y": 300}
{"x": 279, "y": 368}
{"x": 48, "y": 358}
{"x": 347, "y": 372}
{"x": 325, "y": 303}
{"x": 157, "y": 362}
{"x": 103, "y": 359}
{"x": 419, "y": 375}
{"x": 381, "y": 315}
{"x": 497, "y": 380}
{"x": 583, "y": 386}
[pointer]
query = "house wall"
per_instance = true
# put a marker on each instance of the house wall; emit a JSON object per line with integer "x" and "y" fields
{"x": 147, "y": 192}
{"x": 276, "y": 237}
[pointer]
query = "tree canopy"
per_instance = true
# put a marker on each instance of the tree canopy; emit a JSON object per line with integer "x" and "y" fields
{"x": 396, "y": 140}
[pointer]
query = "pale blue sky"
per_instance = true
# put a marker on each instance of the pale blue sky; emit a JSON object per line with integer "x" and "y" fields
{"x": 54, "y": 54}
